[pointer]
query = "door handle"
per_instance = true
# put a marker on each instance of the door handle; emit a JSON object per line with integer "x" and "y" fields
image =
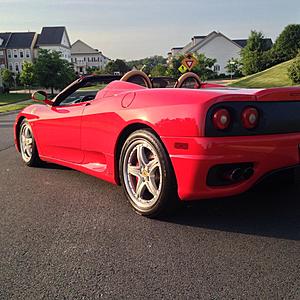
{"x": 87, "y": 104}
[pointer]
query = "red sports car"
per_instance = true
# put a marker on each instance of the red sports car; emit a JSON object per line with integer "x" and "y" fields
{"x": 164, "y": 140}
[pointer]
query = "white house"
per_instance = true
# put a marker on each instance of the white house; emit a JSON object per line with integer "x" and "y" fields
{"x": 84, "y": 56}
{"x": 55, "y": 38}
{"x": 214, "y": 45}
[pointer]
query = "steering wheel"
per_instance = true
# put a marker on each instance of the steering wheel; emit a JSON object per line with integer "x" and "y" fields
{"x": 137, "y": 77}
{"x": 185, "y": 78}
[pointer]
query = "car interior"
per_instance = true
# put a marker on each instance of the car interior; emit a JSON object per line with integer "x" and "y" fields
{"x": 85, "y": 88}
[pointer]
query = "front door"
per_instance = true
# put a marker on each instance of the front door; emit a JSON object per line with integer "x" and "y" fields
{"x": 59, "y": 133}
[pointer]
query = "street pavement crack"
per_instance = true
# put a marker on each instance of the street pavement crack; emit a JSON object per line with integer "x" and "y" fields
{"x": 7, "y": 148}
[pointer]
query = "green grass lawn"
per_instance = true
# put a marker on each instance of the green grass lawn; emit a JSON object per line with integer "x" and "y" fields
{"x": 274, "y": 77}
{"x": 96, "y": 87}
{"x": 7, "y": 108}
{"x": 13, "y": 98}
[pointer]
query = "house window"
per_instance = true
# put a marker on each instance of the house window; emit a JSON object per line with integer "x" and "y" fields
{"x": 217, "y": 68}
{"x": 17, "y": 68}
{"x": 27, "y": 53}
{"x": 10, "y": 66}
{"x": 15, "y": 53}
{"x": 9, "y": 53}
{"x": 21, "y": 53}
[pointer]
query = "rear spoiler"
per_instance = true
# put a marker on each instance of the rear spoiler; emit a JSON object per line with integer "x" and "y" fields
{"x": 279, "y": 94}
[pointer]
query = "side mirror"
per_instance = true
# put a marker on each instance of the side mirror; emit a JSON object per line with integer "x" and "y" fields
{"x": 41, "y": 96}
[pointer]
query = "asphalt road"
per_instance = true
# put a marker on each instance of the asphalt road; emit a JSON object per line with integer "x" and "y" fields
{"x": 66, "y": 235}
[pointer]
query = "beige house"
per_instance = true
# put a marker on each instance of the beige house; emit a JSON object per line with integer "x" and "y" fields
{"x": 214, "y": 45}
{"x": 84, "y": 56}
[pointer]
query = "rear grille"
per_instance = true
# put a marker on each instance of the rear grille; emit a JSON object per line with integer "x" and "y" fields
{"x": 275, "y": 118}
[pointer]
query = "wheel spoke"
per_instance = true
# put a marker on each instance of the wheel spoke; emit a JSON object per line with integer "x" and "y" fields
{"x": 151, "y": 186}
{"x": 134, "y": 170}
{"x": 26, "y": 150}
{"x": 140, "y": 188}
{"x": 141, "y": 157}
{"x": 152, "y": 165}
{"x": 27, "y": 132}
{"x": 29, "y": 141}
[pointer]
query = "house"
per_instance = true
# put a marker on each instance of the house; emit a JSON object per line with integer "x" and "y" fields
{"x": 84, "y": 56}
{"x": 20, "y": 48}
{"x": 17, "y": 47}
{"x": 4, "y": 37}
{"x": 214, "y": 45}
{"x": 56, "y": 39}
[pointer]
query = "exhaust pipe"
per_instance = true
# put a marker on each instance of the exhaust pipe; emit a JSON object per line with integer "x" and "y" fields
{"x": 248, "y": 173}
{"x": 234, "y": 175}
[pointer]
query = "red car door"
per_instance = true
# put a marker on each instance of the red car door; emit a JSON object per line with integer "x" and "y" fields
{"x": 58, "y": 132}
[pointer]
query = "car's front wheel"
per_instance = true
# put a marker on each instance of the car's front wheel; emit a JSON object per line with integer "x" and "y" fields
{"x": 27, "y": 144}
{"x": 147, "y": 175}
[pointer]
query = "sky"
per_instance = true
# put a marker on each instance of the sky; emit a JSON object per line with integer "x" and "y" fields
{"x": 133, "y": 29}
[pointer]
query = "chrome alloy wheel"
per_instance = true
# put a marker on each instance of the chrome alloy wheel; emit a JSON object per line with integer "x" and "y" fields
{"x": 26, "y": 142}
{"x": 142, "y": 174}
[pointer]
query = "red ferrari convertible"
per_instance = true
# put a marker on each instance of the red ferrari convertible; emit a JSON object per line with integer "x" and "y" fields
{"x": 164, "y": 140}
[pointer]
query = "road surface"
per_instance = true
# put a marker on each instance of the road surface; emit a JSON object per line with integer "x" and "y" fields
{"x": 67, "y": 235}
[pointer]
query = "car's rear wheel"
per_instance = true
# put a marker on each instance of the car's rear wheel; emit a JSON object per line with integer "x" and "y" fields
{"x": 28, "y": 148}
{"x": 147, "y": 175}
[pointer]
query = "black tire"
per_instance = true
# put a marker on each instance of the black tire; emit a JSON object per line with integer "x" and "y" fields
{"x": 162, "y": 176}
{"x": 32, "y": 160}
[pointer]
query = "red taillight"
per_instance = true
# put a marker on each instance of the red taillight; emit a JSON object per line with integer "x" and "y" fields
{"x": 250, "y": 117}
{"x": 221, "y": 119}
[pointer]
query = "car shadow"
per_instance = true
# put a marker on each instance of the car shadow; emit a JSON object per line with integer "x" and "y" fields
{"x": 265, "y": 210}
{"x": 47, "y": 165}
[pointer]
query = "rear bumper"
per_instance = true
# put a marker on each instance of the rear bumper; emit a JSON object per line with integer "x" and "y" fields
{"x": 191, "y": 166}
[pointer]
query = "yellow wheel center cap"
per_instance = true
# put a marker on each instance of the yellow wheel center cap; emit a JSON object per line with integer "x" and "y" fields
{"x": 145, "y": 173}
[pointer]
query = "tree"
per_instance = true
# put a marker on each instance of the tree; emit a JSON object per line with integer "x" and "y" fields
{"x": 294, "y": 70}
{"x": 94, "y": 70}
{"x": 233, "y": 67}
{"x": 147, "y": 64}
{"x": 27, "y": 76}
{"x": 52, "y": 71}
{"x": 158, "y": 70}
{"x": 117, "y": 65}
{"x": 7, "y": 79}
{"x": 254, "y": 57}
{"x": 203, "y": 68}
{"x": 287, "y": 44}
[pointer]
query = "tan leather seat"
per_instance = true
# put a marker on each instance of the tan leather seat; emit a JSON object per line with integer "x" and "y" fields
{"x": 183, "y": 78}
{"x": 129, "y": 77}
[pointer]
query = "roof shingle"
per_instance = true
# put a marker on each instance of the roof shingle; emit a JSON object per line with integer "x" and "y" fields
{"x": 5, "y": 37}
{"x": 20, "y": 40}
{"x": 51, "y": 36}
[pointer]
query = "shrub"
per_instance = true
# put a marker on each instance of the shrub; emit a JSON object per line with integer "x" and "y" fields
{"x": 294, "y": 70}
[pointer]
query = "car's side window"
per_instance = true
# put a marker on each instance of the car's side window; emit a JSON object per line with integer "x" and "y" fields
{"x": 87, "y": 92}
{"x": 78, "y": 97}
